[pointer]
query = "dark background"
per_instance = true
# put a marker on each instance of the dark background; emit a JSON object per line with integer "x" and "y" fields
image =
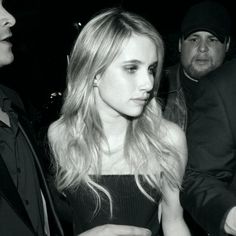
{"x": 45, "y": 30}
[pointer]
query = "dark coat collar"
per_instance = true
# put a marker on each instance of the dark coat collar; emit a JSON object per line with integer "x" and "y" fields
{"x": 7, "y": 188}
{"x": 25, "y": 127}
{"x": 9, "y": 192}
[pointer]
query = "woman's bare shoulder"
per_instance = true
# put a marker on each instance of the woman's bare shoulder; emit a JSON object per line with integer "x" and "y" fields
{"x": 174, "y": 136}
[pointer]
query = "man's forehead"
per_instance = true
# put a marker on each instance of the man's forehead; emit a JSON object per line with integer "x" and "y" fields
{"x": 202, "y": 33}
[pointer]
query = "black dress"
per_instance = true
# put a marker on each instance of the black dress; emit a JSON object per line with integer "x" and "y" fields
{"x": 130, "y": 206}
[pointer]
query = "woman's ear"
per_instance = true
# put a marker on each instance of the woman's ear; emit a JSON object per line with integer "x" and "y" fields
{"x": 96, "y": 80}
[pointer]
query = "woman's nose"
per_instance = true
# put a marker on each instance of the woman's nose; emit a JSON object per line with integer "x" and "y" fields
{"x": 147, "y": 81}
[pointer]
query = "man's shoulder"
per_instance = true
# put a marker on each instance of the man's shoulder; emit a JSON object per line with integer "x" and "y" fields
{"x": 7, "y": 91}
{"x": 221, "y": 80}
{"x": 172, "y": 69}
{"x": 226, "y": 72}
{"x": 12, "y": 95}
{"x": 170, "y": 79}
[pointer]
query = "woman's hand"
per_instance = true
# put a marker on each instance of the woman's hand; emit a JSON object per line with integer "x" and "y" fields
{"x": 116, "y": 230}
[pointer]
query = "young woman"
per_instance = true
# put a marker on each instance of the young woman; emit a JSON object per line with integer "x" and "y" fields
{"x": 117, "y": 160}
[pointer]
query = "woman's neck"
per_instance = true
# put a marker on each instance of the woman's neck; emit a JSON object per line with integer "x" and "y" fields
{"x": 114, "y": 128}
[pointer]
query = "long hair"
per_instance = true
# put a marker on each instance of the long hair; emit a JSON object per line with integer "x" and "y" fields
{"x": 75, "y": 138}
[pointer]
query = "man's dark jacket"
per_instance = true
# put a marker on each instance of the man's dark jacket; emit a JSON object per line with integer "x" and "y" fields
{"x": 172, "y": 97}
{"x": 209, "y": 190}
{"x": 13, "y": 215}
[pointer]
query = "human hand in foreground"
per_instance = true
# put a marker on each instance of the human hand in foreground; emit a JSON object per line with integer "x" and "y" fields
{"x": 230, "y": 223}
{"x": 115, "y": 230}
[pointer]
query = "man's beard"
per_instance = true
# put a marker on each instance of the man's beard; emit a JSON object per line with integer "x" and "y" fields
{"x": 198, "y": 74}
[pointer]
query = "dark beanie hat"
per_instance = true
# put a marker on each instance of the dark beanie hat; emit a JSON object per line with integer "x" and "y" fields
{"x": 207, "y": 16}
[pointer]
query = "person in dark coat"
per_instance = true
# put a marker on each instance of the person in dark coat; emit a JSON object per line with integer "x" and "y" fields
{"x": 209, "y": 190}
{"x": 204, "y": 43}
{"x": 26, "y": 206}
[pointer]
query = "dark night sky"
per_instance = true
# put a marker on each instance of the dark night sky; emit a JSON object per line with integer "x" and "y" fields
{"x": 44, "y": 34}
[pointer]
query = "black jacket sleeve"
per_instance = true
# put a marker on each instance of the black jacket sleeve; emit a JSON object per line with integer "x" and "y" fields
{"x": 207, "y": 194}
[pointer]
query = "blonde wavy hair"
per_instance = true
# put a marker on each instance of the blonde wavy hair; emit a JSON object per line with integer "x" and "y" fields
{"x": 75, "y": 138}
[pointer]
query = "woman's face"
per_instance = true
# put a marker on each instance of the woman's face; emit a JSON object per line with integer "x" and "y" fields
{"x": 123, "y": 89}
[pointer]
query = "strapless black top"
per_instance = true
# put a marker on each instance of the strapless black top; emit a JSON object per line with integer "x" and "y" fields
{"x": 130, "y": 206}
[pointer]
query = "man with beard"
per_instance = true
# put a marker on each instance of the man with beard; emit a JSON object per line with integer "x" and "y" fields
{"x": 203, "y": 44}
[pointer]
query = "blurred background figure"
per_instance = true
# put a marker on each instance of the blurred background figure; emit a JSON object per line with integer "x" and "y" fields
{"x": 203, "y": 45}
{"x": 210, "y": 182}
{"x": 26, "y": 206}
{"x": 204, "y": 42}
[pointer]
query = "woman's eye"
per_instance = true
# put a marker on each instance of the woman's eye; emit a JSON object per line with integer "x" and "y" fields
{"x": 131, "y": 69}
{"x": 152, "y": 70}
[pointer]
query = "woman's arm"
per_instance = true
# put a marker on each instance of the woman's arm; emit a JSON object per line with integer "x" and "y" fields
{"x": 172, "y": 212}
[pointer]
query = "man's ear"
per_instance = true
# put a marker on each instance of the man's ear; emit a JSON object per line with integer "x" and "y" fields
{"x": 180, "y": 44}
{"x": 228, "y": 44}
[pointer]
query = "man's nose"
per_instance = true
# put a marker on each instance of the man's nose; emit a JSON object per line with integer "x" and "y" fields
{"x": 6, "y": 19}
{"x": 203, "y": 47}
